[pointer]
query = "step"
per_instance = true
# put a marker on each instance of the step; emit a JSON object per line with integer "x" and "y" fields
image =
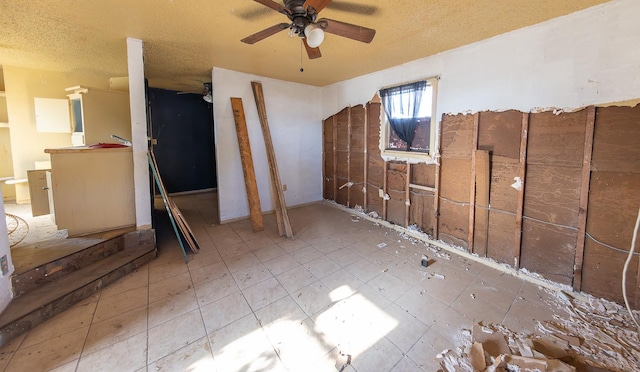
{"x": 34, "y": 307}
{"x": 37, "y": 269}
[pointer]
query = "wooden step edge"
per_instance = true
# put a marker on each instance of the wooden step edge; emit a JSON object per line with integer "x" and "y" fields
{"x": 21, "y": 315}
{"x": 22, "y": 283}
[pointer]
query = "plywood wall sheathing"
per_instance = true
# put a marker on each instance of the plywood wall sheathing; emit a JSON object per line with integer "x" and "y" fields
{"x": 328, "y": 160}
{"x": 472, "y": 191}
{"x": 483, "y": 178}
{"x": 375, "y": 163}
{"x": 357, "y": 156}
{"x": 342, "y": 155}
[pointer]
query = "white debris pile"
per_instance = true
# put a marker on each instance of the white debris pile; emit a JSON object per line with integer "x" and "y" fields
{"x": 595, "y": 335}
{"x": 438, "y": 252}
{"x": 599, "y": 330}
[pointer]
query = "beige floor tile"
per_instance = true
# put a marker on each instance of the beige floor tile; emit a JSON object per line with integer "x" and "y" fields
{"x": 410, "y": 272}
{"x": 224, "y": 311}
{"x": 169, "y": 287}
{"x": 321, "y": 267}
{"x": 407, "y": 365}
{"x": 193, "y": 357}
{"x": 216, "y": 289}
{"x": 76, "y": 317}
{"x": 407, "y": 331}
{"x": 269, "y": 252}
{"x": 261, "y": 241}
{"x": 251, "y": 275}
{"x": 160, "y": 272}
{"x": 203, "y": 259}
{"x": 295, "y": 279}
{"x": 264, "y": 293}
{"x": 501, "y": 280}
{"x": 364, "y": 270}
{"x": 281, "y": 264}
{"x": 172, "y": 307}
{"x": 388, "y": 286}
{"x": 242, "y": 261}
{"x": 283, "y": 309}
{"x": 174, "y": 335}
{"x": 421, "y": 305}
{"x": 126, "y": 355}
{"x": 424, "y": 352}
{"x": 292, "y": 245}
{"x": 381, "y": 356}
{"x": 329, "y": 245}
{"x": 342, "y": 284}
{"x": 450, "y": 325}
{"x": 137, "y": 279}
{"x": 120, "y": 303}
{"x": 446, "y": 288}
{"x": 243, "y": 346}
{"x": 298, "y": 344}
{"x": 69, "y": 367}
{"x": 306, "y": 254}
{"x": 229, "y": 245}
{"x": 49, "y": 354}
{"x": 207, "y": 273}
{"x": 479, "y": 310}
{"x": 115, "y": 329}
{"x": 344, "y": 257}
{"x": 490, "y": 293}
{"x": 373, "y": 297}
{"x": 313, "y": 298}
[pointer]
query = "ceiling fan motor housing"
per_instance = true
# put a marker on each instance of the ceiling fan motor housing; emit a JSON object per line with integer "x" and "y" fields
{"x": 299, "y": 16}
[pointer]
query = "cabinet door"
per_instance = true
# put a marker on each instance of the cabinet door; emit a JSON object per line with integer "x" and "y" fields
{"x": 38, "y": 191}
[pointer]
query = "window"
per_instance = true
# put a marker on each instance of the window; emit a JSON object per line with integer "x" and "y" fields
{"x": 407, "y": 119}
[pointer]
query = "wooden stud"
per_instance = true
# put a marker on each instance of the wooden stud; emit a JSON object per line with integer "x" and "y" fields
{"x": 520, "y": 202}
{"x": 335, "y": 158}
{"x": 436, "y": 195}
{"x": 280, "y": 202}
{"x": 421, "y": 187}
{"x": 255, "y": 212}
{"x": 472, "y": 189}
{"x": 384, "y": 191}
{"x": 348, "y": 156}
{"x": 483, "y": 182}
{"x": 366, "y": 156}
{"x": 407, "y": 196}
{"x": 584, "y": 197}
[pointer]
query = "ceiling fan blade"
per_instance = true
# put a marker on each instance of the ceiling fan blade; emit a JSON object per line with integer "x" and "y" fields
{"x": 318, "y": 5}
{"x": 347, "y": 30}
{"x": 350, "y": 7}
{"x": 273, "y": 5}
{"x": 313, "y": 53}
{"x": 252, "y": 39}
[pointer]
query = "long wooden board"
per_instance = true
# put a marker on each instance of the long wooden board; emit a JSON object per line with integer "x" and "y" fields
{"x": 255, "y": 211}
{"x": 281, "y": 205}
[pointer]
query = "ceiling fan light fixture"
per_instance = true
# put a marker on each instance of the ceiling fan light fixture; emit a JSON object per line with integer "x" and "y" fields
{"x": 314, "y": 35}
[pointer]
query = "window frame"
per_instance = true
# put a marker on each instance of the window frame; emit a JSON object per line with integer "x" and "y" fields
{"x": 429, "y": 157}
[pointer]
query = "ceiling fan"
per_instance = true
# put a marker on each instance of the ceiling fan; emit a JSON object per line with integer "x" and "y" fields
{"x": 303, "y": 15}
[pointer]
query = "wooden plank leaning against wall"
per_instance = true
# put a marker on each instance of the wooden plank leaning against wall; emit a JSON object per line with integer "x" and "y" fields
{"x": 569, "y": 218}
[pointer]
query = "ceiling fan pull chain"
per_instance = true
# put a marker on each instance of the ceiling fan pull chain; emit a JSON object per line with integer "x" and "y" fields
{"x": 301, "y": 42}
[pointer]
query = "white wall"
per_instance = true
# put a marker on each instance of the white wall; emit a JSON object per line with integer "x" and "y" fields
{"x": 5, "y": 282}
{"x": 293, "y": 111}
{"x": 588, "y": 57}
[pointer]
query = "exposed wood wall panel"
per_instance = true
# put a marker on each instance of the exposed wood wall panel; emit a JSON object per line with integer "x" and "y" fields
{"x": 422, "y": 210}
{"x": 328, "y": 170}
{"x": 500, "y": 238}
{"x": 396, "y": 183}
{"x": 556, "y": 139}
{"x": 423, "y": 174}
{"x": 457, "y": 136}
{"x": 499, "y": 133}
{"x": 452, "y": 224}
{"x": 454, "y": 179}
{"x": 357, "y": 156}
{"x": 613, "y": 207}
{"x": 375, "y": 166}
{"x": 548, "y": 250}
{"x": 501, "y": 194}
{"x": 552, "y": 194}
{"x": 616, "y": 138}
{"x": 342, "y": 154}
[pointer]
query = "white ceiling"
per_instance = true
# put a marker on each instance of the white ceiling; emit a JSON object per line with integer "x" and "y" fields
{"x": 184, "y": 39}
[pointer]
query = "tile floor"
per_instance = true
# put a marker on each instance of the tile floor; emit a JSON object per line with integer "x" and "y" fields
{"x": 258, "y": 302}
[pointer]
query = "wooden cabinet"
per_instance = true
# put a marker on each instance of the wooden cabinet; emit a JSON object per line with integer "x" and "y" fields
{"x": 92, "y": 189}
{"x": 97, "y": 114}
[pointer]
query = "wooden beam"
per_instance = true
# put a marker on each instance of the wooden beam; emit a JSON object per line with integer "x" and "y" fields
{"x": 250, "y": 182}
{"x": 384, "y": 191}
{"x": 335, "y": 158}
{"x": 280, "y": 202}
{"x": 407, "y": 196}
{"x": 584, "y": 197}
{"x": 366, "y": 157}
{"x": 472, "y": 189}
{"x": 436, "y": 195}
{"x": 522, "y": 170}
{"x": 483, "y": 182}
{"x": 349, "y": 156}
{"x": 420, "y": 187}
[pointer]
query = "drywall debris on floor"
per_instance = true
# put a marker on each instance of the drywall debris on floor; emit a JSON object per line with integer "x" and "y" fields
{"x": 595, "y": 336}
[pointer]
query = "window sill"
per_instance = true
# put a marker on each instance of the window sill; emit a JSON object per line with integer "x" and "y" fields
{"x": 408, "y": 156}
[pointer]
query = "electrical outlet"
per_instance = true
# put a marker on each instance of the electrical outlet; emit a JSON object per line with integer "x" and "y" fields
{"x": 381, "y": 193}
{"x": 4, "y": 265}
{"x": 284, "y": 187}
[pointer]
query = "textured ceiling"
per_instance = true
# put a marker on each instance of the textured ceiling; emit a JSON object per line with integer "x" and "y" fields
{"x": 184, "y": 39}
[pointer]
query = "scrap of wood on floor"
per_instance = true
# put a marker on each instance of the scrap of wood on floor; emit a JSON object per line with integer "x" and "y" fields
{"x": 180, "y": 225}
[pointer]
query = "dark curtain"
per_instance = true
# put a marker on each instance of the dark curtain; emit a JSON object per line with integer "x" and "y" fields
{"x": 401, "y": 105}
